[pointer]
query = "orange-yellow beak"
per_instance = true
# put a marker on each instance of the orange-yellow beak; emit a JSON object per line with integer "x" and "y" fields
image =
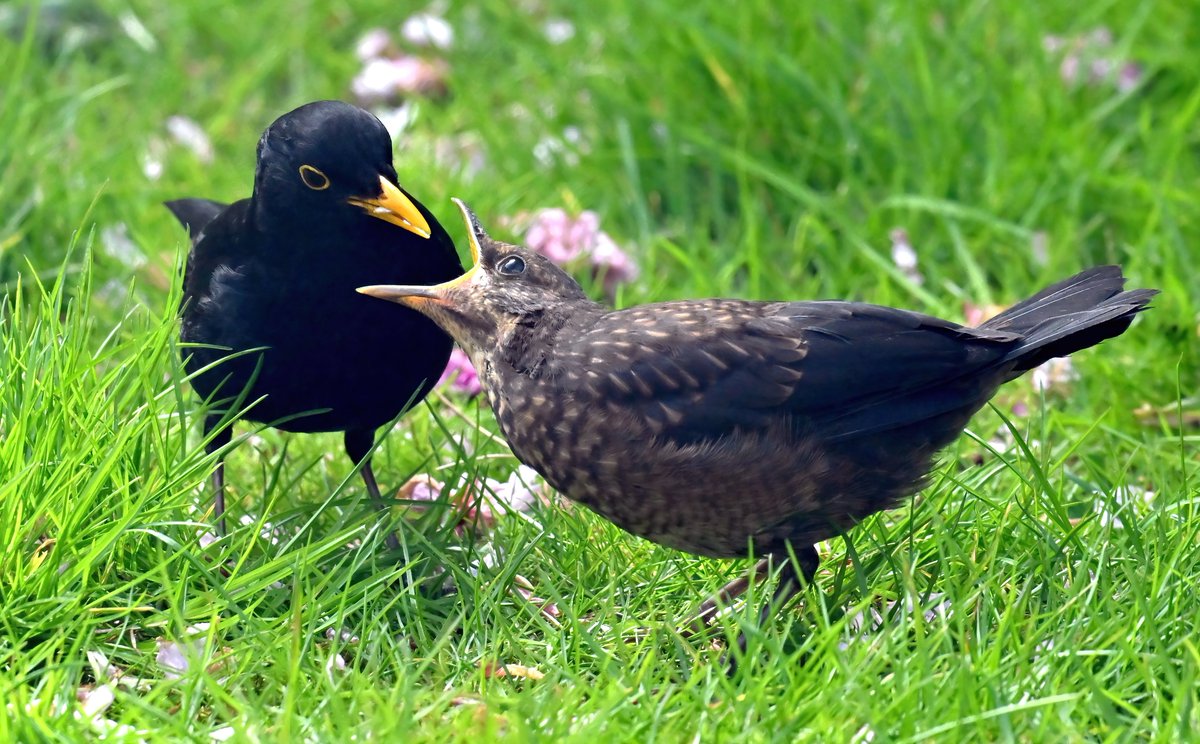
{"x": 415, "y": 295}
{"x": 396, "y": 208}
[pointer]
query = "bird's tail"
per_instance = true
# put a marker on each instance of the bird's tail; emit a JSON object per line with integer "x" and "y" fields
{"x": 1071, "y": 315}
{"x": 195, "y": 214}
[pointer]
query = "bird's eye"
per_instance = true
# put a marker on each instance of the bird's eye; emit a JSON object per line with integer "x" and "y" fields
{"x": 510, "y": 266}
{"x": 313, "y": 178}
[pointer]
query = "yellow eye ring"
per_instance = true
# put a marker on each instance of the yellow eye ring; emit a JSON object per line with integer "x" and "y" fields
{"x": 313, "y": 178}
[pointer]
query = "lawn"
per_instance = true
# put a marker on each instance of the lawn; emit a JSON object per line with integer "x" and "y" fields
{"x": 944, "y": 157}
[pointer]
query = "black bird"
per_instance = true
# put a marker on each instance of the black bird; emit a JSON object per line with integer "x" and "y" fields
{"x": 720, "y": 426}
{"x": 268, "y": 292}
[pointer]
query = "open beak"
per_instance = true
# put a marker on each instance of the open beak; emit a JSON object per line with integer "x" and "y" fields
{"x": 394, "y": 207}
{"x": 416, "y": 295}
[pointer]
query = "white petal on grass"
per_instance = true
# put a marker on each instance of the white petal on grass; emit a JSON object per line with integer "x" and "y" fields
{"x": 334, "y": 666}
{"x": 428, "y": 29}
{"x": 1126, "y": 501}
{"x": 904, "y": 256}
{"x": 344, "y": 635}
{"x": 225, "y": 733}
{"x": 558, "y": 30}
{"x": 115, "y": 241}
{"x": 152, "y": 159}
{"x": 191, "y": 135}
{"x": 95, "y": 700}
{"x": 102, "y": 669}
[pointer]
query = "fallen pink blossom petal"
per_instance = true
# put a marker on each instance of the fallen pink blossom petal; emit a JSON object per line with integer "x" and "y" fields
{"x": 552, "y": 233}
{"x": 611, "y": 264}
{"x": 1129, "y": 77}
{"x": 429, "y": 30}
{"x": 546, "y": 607}
{"x": 1090, "y": 59}
{"x": 419, "y": 488}
{"x": 388, "y": 79}
{"x": 974, "y": 314}
{"x": 344, "y": 636}
{"x": 461, "y": 374}
{"x": 191, "y": 135}
{"x": 172, "y": 657}
{"x": 372, "y": 44}
{"x": 1068, "y": 69}
{"x": 1054, "y": 376}
{"x": 517, "y": 493}
{"x": 1100, "y": 37}
{"x": 563, "y": 239}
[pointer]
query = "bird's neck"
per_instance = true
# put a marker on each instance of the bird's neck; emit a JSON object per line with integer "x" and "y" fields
{"x": 525, "y": 346}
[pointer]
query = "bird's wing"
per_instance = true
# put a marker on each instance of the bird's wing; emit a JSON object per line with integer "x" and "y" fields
{"x": 224, "y": 244}
{"x": 706, "y": 368}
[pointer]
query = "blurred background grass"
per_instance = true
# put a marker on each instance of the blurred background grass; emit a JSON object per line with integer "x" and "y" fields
{"x": 754, "y": 149}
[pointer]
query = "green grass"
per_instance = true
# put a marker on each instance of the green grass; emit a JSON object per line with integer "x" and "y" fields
{"x": 752, "y": 149}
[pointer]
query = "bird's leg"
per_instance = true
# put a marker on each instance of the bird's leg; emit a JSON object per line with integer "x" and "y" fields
{"x": 807, "y": 561}
{"x": 358, "y": 447}
{"x": 219, "y": 440}
{"x": 731, "y": 591}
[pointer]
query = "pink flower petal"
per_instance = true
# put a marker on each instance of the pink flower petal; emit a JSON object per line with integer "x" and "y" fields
{"x": 461, "y": 374}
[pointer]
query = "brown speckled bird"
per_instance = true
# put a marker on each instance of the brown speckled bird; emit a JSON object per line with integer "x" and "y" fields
{"x": 721, "y": 427}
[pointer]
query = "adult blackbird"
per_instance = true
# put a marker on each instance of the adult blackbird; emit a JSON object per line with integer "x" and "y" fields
{"x": 721, "y": 427}
{"x": 268, "y": 292}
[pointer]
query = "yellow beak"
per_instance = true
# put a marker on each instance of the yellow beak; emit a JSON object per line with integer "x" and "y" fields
{"x": 396, "y": 208}
{"x": 414, "y": 295}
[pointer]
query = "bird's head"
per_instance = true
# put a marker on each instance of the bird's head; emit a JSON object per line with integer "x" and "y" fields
{"x": 508, "y": 288}
{"x": 329, "y": 161}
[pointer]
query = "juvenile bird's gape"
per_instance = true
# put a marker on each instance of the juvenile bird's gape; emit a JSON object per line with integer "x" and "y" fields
{"x": 268, "y": 292}
{"x": 817, "y": 414}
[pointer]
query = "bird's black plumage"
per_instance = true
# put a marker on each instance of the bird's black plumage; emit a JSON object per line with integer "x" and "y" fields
{"x": 274, "y": 275}
{"x": 714, "y": 426}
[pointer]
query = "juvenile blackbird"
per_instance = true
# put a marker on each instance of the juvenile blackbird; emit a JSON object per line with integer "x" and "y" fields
{"x": 720, "y": 426}
{"x": 268, "y": 291}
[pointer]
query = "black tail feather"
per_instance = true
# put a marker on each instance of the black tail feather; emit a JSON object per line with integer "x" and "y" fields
{"x": 195, "y": 214}
{"x": 1071, "y": 315}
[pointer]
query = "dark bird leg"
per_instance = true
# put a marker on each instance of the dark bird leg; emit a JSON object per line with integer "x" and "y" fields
{"x": 731, "y": 591}
{"x": 789, "y": 585}
{"x": 358, "y": 447}
{"x": 223, "y": 436}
